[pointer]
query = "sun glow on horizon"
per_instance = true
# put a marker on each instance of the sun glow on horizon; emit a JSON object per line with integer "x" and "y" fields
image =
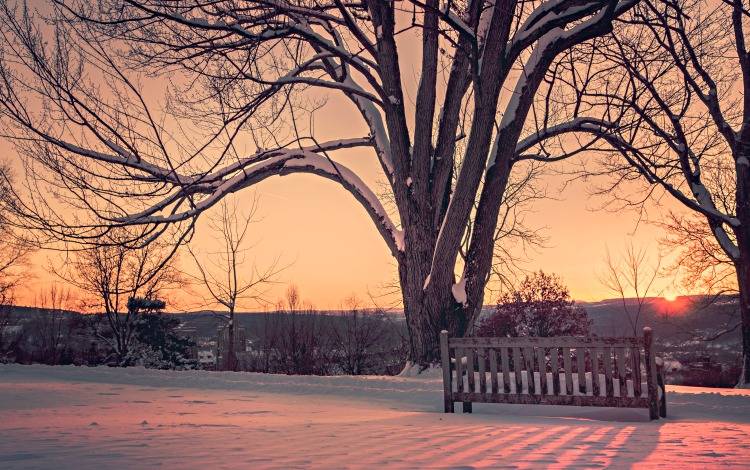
{"x": 670, "y": 297}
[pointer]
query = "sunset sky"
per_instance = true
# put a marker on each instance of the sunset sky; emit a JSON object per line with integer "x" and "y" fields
{"x": 333, "y": 251}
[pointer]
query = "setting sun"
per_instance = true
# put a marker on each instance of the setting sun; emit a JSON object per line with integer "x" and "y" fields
{"x": 670, "y": 297}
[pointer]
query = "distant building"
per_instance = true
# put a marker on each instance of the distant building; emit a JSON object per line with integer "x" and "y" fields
{"x": 206, "y": 358}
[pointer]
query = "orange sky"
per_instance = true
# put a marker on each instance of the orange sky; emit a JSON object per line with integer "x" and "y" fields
{"x": 335, "y": 252}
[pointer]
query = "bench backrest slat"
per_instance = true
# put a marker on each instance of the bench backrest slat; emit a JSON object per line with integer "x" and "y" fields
{"x": 517, "y": 369}
{"x": 506, "y": 370}
{"x": 581, "y": 367}
{"x": 493, "y": 370}
{"x": 608, "y": 372}
{"x": 554, "y": 354}
{"x": 470, "y": 369}
{"x": 481, "y": 357}
{"x": 568, "y": 371}
{"x": 595, "y": 383}
{"x": 542, "y": 365}
{"x": 528, "y": 359}
{"x": 635, "y": 357}
{"x": 621, "y": 372}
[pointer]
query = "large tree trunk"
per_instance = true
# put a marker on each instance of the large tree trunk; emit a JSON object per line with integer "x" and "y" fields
{"x": 743, "y": 281}
{"x": 429, "y": 305}
{"x": 742, "y": 265}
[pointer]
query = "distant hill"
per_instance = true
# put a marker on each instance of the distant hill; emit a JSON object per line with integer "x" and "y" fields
{"x": 681, "y": 317}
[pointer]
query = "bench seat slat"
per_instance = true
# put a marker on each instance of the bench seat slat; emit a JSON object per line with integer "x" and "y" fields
{"x": 579, "y": 400}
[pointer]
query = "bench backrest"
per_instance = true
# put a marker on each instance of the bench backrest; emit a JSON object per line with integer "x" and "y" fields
{"x": 585, "y": 371}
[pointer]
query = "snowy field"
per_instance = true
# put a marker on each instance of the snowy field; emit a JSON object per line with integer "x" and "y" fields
{"x": 67, "y": 417}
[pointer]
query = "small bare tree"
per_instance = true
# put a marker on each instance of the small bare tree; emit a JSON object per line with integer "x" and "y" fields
{"x": 296, "y": 337}
{"x": 14, "y": 258}
{"x": 117, "y": 280}
{"x": 632, "y": 277}
{"x": 50, "y": 328}
{"x": 223, "y": 271}
{"x": 356, "y": 336}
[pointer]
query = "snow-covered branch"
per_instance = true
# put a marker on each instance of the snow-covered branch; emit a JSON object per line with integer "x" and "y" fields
{"x": 254, "y": 169}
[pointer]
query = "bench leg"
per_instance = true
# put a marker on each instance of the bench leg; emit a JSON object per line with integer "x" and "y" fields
{"x": 467, "y": 407}
{"x": 663, "y": 401}
{"x": 449, "y": 406}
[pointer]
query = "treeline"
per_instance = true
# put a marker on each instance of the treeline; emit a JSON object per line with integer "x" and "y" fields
{"x": 289, "y": 341}
{"x": 308, "y": 342}
{"x": 55, "y": 336}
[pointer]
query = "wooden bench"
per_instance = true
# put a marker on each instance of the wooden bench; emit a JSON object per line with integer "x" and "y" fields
{"x": 553, "y": 371}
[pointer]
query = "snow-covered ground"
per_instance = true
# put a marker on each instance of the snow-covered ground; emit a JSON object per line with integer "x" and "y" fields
{"x": 68, "y": 417}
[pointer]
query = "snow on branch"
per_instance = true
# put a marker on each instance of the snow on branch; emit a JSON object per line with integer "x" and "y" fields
{"x": 253, "y": 169}
{"x": 459, "y": 292}
{"x": 557, "y": 14}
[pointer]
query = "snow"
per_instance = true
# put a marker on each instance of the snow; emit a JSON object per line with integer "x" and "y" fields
{"x": 484, "y": 21}
{"x": 459, "y": 22}
{"x": 459, "y": 291}
{"x": 68, "y": 417}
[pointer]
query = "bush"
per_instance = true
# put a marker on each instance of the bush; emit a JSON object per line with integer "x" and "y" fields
{"x": 541, "y": 306}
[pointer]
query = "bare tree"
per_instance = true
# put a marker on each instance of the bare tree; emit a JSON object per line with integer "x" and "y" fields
{"x": 118, "y": 281}
{"x": 295, "y": 338}
{"x": 356, "y": 337}
{"x": 251, "y": 74}
{"x": 632, "y": 276}
{"x": 50, "y": 328}
{"x": 14, "y": 258}
{"x": 14, "y": 255}
{"x": 223, "y": 272}
{"x": 672, "y": 86}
